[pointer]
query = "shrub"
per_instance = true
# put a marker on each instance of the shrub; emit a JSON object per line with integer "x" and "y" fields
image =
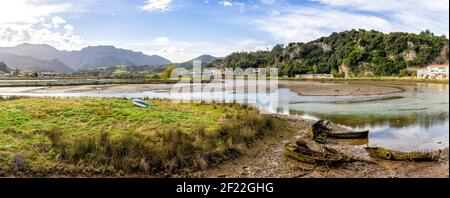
{"x": 155, "y": 77}
{"x": 406, "y": 73}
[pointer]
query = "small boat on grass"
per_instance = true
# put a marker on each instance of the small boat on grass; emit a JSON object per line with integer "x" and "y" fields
{"x": 388, "y": 154}
{"x": 349, "y": 134}
{"x": 141, "y": 103}
{"x": 304, "y": 154}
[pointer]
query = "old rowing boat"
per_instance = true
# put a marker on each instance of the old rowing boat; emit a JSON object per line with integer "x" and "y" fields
{"x": 304, "y": 154}
{"x": 388, "y": 154}
{"x": 349, "y": 134}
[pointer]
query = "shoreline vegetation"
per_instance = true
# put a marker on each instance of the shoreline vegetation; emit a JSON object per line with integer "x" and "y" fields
{"x": 378, "y": 79}
{"x": 42, "y": 137}
{"x": 32, "y": 82}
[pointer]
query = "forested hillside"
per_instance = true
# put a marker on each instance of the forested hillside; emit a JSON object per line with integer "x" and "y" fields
{"x": 357, "y": 52}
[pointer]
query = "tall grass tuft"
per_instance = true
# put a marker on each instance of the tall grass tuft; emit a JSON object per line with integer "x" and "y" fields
{"x": 169, "y": 151}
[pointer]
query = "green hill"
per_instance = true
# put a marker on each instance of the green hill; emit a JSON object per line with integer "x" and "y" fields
{"x": 359, "y": 52}
{"x": 205, "y": 59}
{"x": 3, "y": 67}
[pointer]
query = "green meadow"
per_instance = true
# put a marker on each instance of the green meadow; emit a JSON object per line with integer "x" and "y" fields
{"x": 98, "y": 136}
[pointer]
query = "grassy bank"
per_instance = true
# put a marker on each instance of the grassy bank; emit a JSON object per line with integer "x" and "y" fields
{"x": 109, "y": 137}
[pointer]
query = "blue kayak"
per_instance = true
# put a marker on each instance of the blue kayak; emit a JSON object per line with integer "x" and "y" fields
{"x": 140, "y": 103}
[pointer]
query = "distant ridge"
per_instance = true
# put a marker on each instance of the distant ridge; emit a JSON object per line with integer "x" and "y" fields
{"x": 206, "y": 59}
{"x": 34, "y": 64}
{"x": 89, "y": 57}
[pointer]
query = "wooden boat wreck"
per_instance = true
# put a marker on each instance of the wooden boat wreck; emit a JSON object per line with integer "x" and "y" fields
{"x": 302, "y": 153}
{"x": 349, "y": 134}
{"x": 388, "y": 154}
{"x": 322, "y": 129}
{"x": 319, "y": 131}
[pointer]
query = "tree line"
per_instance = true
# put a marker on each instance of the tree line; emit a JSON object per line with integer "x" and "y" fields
{"x": 359, "y": 52}
{"x": 4, "y": 67}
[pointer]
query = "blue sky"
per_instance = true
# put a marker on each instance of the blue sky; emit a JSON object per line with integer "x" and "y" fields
{"x": 183, "y": 29}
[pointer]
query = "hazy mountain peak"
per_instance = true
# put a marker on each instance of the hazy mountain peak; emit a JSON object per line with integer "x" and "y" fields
{"x": 205, "y": 58}
{"x": 36, "y": 45}
{"x": 102, "y": 47}
{"x": 88, "y": 57}
{"x": 32, "y": 63}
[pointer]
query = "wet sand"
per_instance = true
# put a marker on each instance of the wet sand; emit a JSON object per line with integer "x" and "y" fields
{"x": 127, "y": 88}
{"x": 309, "y": 88}
{"x": 266, "y": 159}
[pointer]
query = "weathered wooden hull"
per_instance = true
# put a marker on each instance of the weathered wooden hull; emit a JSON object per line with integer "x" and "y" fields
{"x": 350, "y": 135}
{"x": 388, "y": 154}
{"x": 306, "y": 155}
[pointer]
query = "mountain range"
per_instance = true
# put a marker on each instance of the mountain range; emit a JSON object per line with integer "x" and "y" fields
{"x": 205, "y": 59}
{"x": 41, "y": 57}
{"x": 34, "y": 64}
{"x": 130, "y": 70}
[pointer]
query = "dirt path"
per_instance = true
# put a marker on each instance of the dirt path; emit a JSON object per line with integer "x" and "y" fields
{"x": 266, "y": 160}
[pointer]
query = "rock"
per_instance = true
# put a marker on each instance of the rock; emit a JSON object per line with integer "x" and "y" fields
{"x": 18, "y": 162}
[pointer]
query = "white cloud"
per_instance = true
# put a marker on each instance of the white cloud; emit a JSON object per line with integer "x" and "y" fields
{"x": 29, "y": 11}
{"x": 57, "y": 20}
{"x": 405, "y": 15}
{"x": 225, "y": 3}
{"x": 157, "y": 5}
{"x": 36, "y": 22}
{"x": 16, "y": 34}
{"x": 412, "y": 6}
{"x": 181, "y": 51}
{"x": 307, "y": 24}
{"x": 300, "y": 23}
{"x": 162, "y": 40}
{"x": 69, "y": 28}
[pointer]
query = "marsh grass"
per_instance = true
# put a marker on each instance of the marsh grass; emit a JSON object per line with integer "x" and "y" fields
{"x": 112, "y": 137}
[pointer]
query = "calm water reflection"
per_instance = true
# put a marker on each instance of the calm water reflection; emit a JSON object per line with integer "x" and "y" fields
{"x": 417, "y": 119}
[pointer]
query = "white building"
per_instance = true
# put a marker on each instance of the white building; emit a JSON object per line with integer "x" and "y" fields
{"x": 433, "y": 72}
{"x": 4, "y": 74}
{"x": 310, "y": 76}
